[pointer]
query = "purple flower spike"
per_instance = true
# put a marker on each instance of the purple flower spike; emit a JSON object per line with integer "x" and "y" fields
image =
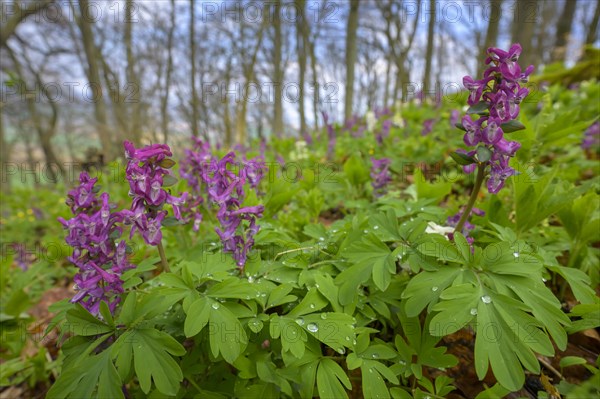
{"x": 146, "y": 171}
{"x": 380, "y": 175}
{"x": 92, "y": 233}
{"x": 591, "y": 137}
{"x": 498, "y": 97}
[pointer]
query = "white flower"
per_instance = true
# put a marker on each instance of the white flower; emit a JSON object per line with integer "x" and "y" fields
{"x": 434, "y": 228}
{"x": 371, "y": 120}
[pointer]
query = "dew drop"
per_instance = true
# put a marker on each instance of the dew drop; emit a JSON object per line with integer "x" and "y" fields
{"x": 370, "y": 370}
{"x": 422, "y": 208}
{"x": 312, "y": 327}
{"x": 473, "y": 311}
{"x": 486, "y": 299}
{"x": 263, "y": 295}
{"x": 312, "y": 306}
{"x": 215, "y": 305}
{"x": 323, "y": 316}
{"x": 209, "y": 275}
{"x": 375, "y": 355}
{"x": 334, "y": 231}
{"x": 375, "y": 227}
{"x": 250, "y": 279}
{"x": 516, "y": 254}
{"x": 300, "y": 321}
{"x": 341, "y": 351}
{"x": 434, "y": 288}
{"x": 544, "y": 280}
{"x": 365, "y": 231}
{"x": 353, "y": 342}
{"x": 321, "y": 238}
{"x": 402, "y": 362}
{"x": 347, "y": 338}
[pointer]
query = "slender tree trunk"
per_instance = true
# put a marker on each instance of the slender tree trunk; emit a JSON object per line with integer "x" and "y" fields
{"x": 316, "y": 86}
{"x": 301, "y": 51}
{"x": 194, "y": 102}
{"x": 592, "y": 33}
{"x": 164, "y": 116}
{"x": 5, "y": 154}
{"x": 93, "y": 75}
{"x": 491, "y": 35}
{"x": 133, "y": 83}
{"x": 351, "y": 51}
{"x": 278, "y": 72}
{"x": 429, "y": 51}
{"x": 563, "y": 30}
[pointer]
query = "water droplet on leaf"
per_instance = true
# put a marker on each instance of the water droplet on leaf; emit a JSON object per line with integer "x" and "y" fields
{"x": 486, "y": 299}
{"x": 300, "y": 321}
{"x": 312, "y": 327}
{"x": 473, "y": 311}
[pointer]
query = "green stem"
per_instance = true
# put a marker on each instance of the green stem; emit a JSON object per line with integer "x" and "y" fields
{"x": 472, "y": 198}
{"x": 163, "y": 258}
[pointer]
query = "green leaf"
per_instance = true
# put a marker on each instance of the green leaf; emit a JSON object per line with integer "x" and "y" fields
{"x": 331, "y": 380}
{"x": 426, "y": 287}
{"x": 279, "y": 296}
{"x": 373, "y": 252}
{"x": 169, "y": 180}
{"x": 227, "y": 335}
{"x": 507, "y": 337}
{"x": 152, "y": 350}
{"x": 81, "y": 322}
{"x": 197, "y": 317}
{"x": 91, "y": 374}
{"x": 167, "y": 163}
{"x": 481, "y": 108}
{"x": 462, "y": 159}
{"x": 171, "y": 221}
{"x": 457, "y": 307}
{"x": 483, "y": 154}
{"x": 312, "y": 302}
{"x": 234, "y": 288}
{"x": 572, "y": 361}
{"x": 512, "y": 126}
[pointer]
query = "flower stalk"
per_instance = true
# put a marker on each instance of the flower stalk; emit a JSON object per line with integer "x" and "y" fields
{"x": 467, "y": 211}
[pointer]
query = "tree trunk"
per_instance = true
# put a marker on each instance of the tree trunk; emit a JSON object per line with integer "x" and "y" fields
{"x": 491, "y": 35}
{"x": 301, "y": 51}
{"x": 278, "y": 72}
{"x": 133, "y": 83}
{"x": 164, "y": 116}
{"x": 563, "y": 30}
{"x": 592, "y": 32}
{"x": 429, "y": 51}
{"x": 19, "y": 14}
{"x": 351, "y": 51}
{"x": 93, "y": 75}
{"x": 194, "y": 102}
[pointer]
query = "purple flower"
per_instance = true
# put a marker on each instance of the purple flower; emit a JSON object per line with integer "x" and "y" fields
{"x": 591, "y": 137}
{"x": 380, "y": 175}
{"x": 500, "y": 94}
{"x": 225, "y": 189}
{"x": 452, "y": 221}
{"x": 386, "y": 125}
{"x": 454, "y": 117}
{"x": 147, "y": 169}
{"x": 92, "y": 233}
{"x": 427, "y": 127}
